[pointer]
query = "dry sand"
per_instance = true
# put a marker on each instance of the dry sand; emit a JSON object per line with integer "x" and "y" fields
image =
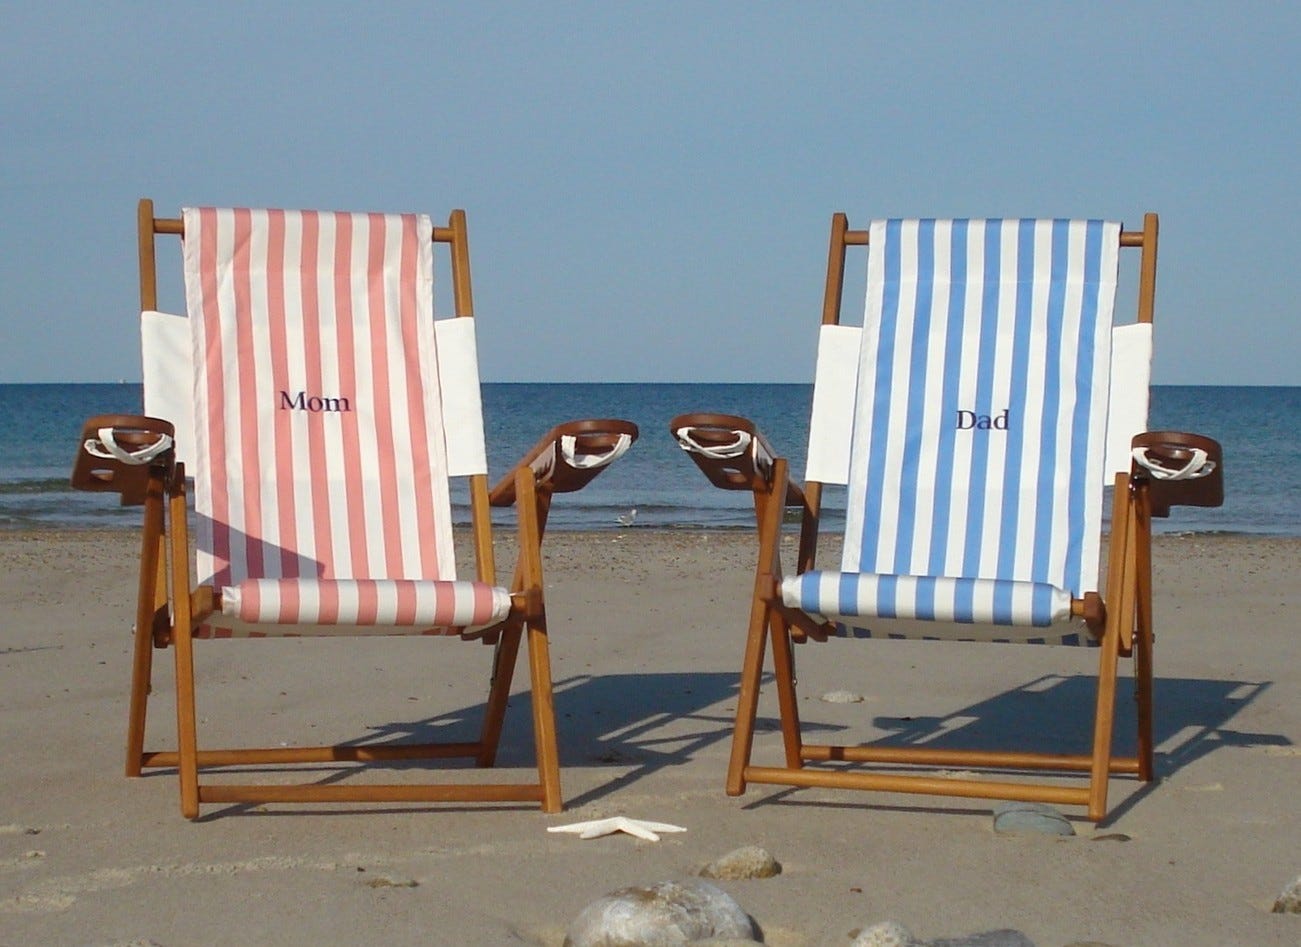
{"x": 646, "y": 631}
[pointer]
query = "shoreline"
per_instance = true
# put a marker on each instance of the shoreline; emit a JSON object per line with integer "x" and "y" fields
{"x": 647, "y": 627}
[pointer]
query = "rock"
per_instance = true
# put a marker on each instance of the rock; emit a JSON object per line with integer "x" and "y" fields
{"x": 1030, "y": 818}
{"x": 842, "y": 697}
{"x": 886, "y": 934}
{"x": 666, "y": 914}
{"x": 1000, "y": 938}
{"x": 1289, "y": 902}
{"x": 748, "y": 861}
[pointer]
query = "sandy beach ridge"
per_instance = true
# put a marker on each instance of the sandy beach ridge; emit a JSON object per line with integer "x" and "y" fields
{"x": 646, "y": 630}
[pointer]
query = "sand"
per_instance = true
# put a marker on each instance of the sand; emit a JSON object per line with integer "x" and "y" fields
{"x": 646, "y": 635}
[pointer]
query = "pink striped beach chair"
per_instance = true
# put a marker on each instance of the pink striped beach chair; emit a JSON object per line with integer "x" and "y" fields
{"x": 321, "y": 411}
{"x": 975, "y": 418}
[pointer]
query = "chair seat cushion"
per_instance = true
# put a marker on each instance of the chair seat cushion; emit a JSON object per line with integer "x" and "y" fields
{"x": 390, "y": 606}
{"x": 837, "y": 595}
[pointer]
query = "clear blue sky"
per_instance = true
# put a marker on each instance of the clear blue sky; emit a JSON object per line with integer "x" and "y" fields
{"x": 649, "y": 186}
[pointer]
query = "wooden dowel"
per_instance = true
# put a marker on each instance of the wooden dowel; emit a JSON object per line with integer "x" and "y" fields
{"x": 923, "y": 756}
{"x": 319, "y": 754}
{"x": 486, "y": 792}
{"x": 967, "y": 788}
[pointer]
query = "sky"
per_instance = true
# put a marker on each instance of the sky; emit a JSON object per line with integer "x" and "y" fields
{"x": 649, "y": 186}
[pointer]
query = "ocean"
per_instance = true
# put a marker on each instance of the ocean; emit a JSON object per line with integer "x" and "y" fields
{"x": 1257, "y": 426}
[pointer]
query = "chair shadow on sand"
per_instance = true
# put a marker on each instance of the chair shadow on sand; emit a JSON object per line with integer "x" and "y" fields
{"x": 639, "y": 724}
{"x": 1191, "y": 721}
{"x": 632, "y": 724}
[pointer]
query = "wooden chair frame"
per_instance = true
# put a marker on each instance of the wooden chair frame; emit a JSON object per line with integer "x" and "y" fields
{"x": 1120, "y": 620}
{"x": 164, "y": 619}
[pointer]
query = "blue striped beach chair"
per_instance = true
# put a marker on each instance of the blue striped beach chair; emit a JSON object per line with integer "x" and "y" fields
{"x": 976, "y": 417}
{"x": 321, "y": 411}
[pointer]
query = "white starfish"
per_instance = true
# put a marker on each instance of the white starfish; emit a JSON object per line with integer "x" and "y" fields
{"x": 598, "y": 827}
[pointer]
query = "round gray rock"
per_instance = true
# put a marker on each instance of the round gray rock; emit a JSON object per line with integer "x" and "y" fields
{"x": 1000, "y": 938}
{"x": 885, "y": 934}
{"x": 666, "y": 914}
{"x": 748, "y": 861}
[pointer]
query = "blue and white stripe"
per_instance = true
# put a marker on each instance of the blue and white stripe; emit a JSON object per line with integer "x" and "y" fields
{"x": 980, "y": 316}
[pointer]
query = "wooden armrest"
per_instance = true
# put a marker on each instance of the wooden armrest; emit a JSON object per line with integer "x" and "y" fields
{"x": 731, "y": 451}
{"x": 1172, "y": 451}
{"x": 132, "y": 434}
{"x": 569, "y": 456}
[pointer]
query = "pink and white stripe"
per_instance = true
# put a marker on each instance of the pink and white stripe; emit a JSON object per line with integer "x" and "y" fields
{"x": 366, "y": 602}
{"x": 320, "y": 446}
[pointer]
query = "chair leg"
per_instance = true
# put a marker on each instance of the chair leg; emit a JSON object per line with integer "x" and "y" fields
{"x": 783, "y": 660}
{"x": 141, "y": 675}
{"x": 504, "y": 657}
{"x": 1143, "y": 643}
{"x": 187, "y": 751}
{"x": 544, "y": 715}
{"x": 151, "y": 595}
{"x": 1120, "y": 621}
{"x": 533, "y": 506}
{"x": 747, "y": 700}
{"x": 1104, "y": 724}
{"x": 768, "y": 511}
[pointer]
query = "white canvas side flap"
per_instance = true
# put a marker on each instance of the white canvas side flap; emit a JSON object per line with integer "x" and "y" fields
{"x": 458, "y": 374}
{"x": 167, "y": 353}
{"x": 1131, "y": 374}
{"x": 835, "y": 388}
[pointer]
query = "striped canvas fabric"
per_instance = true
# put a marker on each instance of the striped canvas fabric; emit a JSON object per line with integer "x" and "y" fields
{"x": 978, "y": 444}
{"x": 319, "y": 445}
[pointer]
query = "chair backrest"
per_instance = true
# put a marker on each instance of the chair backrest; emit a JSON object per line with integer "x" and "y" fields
{"x": 979, "y": 385}
{"x": 331, "y": 408}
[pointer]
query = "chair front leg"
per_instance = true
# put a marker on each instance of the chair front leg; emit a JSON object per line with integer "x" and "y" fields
{"x": 187, "y": 751}
{"x": 768, "y": 506}
{"x": 532, "y": 515}
{"x": 151, "y": 595}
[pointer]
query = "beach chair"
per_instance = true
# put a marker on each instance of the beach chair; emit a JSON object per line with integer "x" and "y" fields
{"x": 321, "y": 410}
{"x": 975, "y": 417}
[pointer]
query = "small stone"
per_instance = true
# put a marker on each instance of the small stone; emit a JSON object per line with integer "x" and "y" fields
{"x": 1110, "y": 837}
{"x": 390, "y": 883}
{"x": 999, "y": 938}
{"x": 1030, "y": 818}
{"x": 748, "y": 861}
{"x": 666, "y": 914}
{"x": 842, "y": 697}
{"x": 886, "y": 934}
{"x": 1289, "y": 902}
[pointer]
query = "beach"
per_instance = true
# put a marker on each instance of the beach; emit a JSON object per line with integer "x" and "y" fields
{"x": 646, "y": 633}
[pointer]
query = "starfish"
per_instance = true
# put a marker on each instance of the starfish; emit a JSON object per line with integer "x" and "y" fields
{"x": 598, "y": 827}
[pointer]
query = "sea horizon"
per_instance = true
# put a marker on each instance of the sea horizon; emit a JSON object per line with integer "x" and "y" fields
{"x": 38, "y": 439}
